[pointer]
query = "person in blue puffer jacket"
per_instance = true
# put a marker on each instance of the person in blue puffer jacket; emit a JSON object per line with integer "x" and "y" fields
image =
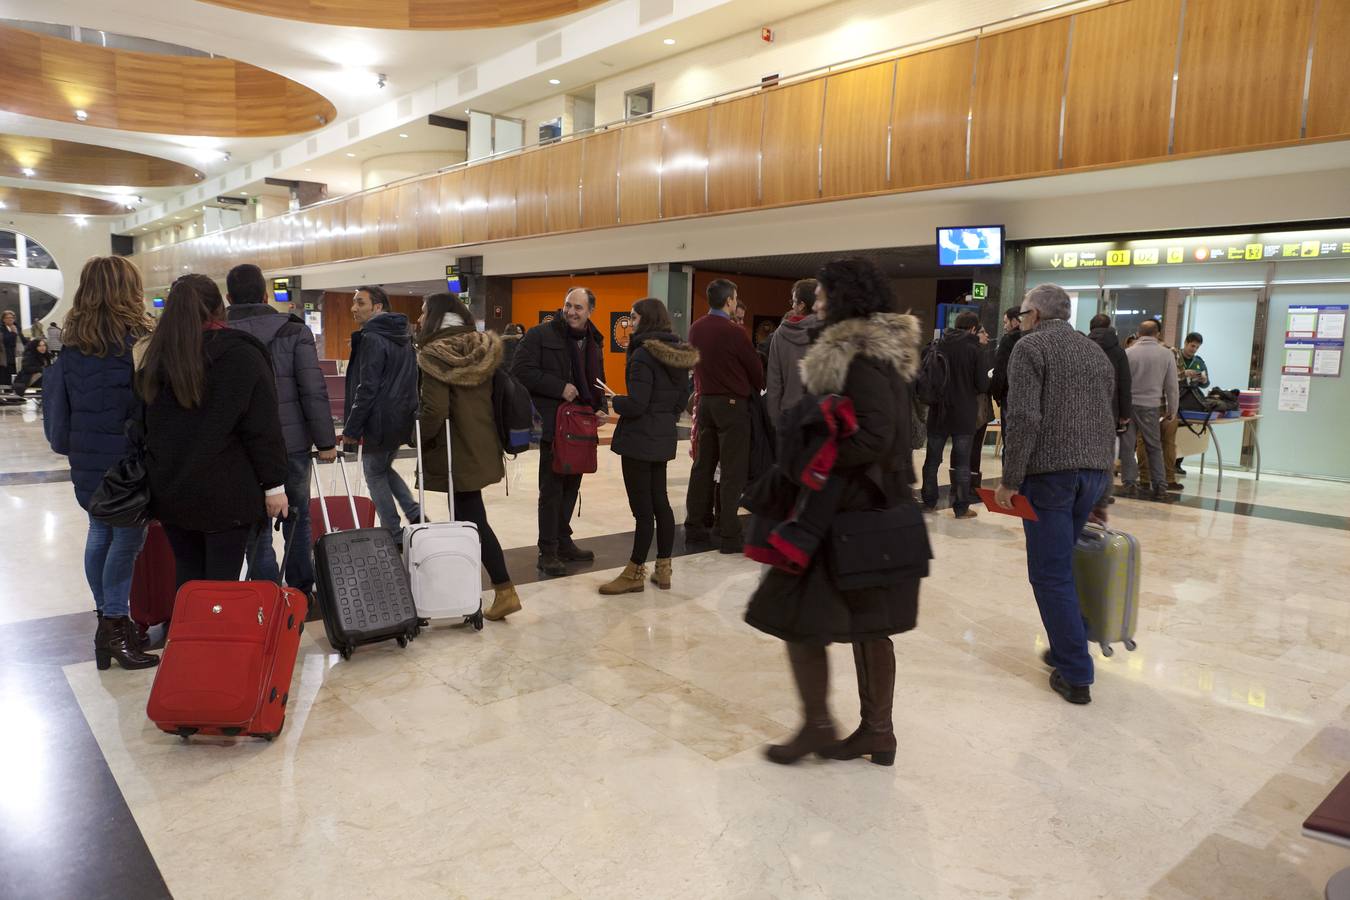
{"x": 89, "y": 398}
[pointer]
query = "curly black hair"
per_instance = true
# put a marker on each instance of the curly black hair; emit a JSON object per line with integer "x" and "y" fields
{"x": 854, "y": 289}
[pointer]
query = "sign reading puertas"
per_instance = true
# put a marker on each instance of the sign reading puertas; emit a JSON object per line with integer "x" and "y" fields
{"x": 1162, "y": 251}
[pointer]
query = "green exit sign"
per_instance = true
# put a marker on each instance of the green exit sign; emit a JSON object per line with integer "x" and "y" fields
{"x": 979, "y": 291}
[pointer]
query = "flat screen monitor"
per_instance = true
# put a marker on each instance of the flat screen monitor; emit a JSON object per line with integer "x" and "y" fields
{"x": 970, "y": 245}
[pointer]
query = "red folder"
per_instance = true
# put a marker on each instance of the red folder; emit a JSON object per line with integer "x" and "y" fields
{"x": 1021, "y": 506}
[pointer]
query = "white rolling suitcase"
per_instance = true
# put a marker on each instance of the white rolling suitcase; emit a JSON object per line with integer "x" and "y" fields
{"x": 444, "y": 560}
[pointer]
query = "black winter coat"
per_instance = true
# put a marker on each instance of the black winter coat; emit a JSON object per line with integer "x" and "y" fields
{"x": 1108, "y": 340}
{"x": 543, "y": 364}
{"x": 209, "y": 466}
{"x": 870, "y": 361}
{"x": 657, "y": 373}
{"x": 302, "y": 394}
{"x": 998, "y": 385}
{"x": 381, "y": 403}
{"x": 968, "y": 377}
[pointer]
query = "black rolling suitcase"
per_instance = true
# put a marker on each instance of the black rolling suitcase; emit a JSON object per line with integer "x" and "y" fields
{"x": 362, "y": 584}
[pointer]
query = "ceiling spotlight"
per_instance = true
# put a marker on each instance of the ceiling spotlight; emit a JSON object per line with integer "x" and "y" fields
{"x": 29, "y": 172}
{"x": 669, "y": 42}
{"x": 243, "y": 193}
{"x": 402, "y": 134}
{"x": 2, "y": 205}
{"x": 225, "y": 157}
{"x": 554, "y": 81}
{"x": 81, "y": 221}
{"x": 81, "y": 115}
{"x": 353, "y": 155}
{"x": 309, "y": 170}
{"x": 323, "y": 120}
{"x": 380, "y": 80}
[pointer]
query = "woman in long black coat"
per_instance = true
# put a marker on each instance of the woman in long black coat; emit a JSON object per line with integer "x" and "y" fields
{"x": 867, "y": 354}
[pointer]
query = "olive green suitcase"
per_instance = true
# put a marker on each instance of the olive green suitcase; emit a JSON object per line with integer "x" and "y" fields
{"x": 1106, "y": 567}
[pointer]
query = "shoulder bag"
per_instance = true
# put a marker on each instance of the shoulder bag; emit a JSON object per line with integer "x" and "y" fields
{"x": 122, "y": 500}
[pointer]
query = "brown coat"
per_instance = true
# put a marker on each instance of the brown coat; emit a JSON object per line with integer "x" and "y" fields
{"x": 457, "y": 365}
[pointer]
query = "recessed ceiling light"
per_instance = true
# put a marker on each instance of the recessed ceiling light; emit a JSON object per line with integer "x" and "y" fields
{"x": 2, "y": 205}
{"x": 402, "y": 134}
{"x": 81, "y": 115}
{"x": 669, "y": 42}
{"x": 554, "y": 81}
{"x": 309, "y": 170}
{"x": 243, "y": 193}
{"x": 353, "y": 155}
{"x": 29, "y": 172}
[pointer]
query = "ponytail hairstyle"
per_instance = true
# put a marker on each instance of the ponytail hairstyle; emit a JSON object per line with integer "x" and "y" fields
{"x": 175, "y": 358}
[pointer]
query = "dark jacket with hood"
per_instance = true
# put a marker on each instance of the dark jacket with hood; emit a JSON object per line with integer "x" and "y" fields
{"x": 302, "y": 395}
{"x": 998, "y": 384}
{"x": 509, "y": 344}
{"x": 786, "y": 350}
{"x": 657, "y": 374}
{"x": 381, "y": 401}
{"x": 86, "y": 403}
{"x": 210, "y": 465}
{"x": 967, "y": 378}
{"x": 543, "y": 364}
{"x": 1108, "y": 340}
{"x": 869, "y": 361}
{"x": 457, "y": 365}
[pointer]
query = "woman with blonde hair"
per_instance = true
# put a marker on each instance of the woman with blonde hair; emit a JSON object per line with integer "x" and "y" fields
{"x": 88, "y": 398}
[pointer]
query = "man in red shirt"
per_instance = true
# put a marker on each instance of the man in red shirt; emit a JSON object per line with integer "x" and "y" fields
{"x": 727, "y": 371}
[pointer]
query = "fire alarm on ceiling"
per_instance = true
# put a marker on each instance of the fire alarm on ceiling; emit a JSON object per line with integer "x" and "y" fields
{"x": 766, "y": 35}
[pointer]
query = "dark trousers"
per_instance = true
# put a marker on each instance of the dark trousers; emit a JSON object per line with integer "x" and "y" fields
{"x": 557, "y": 499}
{"x": 300, "y": 559}
{"x": 207, "y": 555}
{"x": 645, "y": 483}
{"x": 976, "y": 451}
{"x": 961, "y": 492}
{"x": 723, "y": 437}
{"x": 469, "y": 508}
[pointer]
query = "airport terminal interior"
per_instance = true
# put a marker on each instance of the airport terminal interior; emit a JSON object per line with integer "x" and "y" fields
{"x": 1178, "y": 167}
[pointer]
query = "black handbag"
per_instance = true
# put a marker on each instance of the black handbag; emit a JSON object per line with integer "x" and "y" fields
{"x": 879, "y": 547}
{"x": 122, "y": 499}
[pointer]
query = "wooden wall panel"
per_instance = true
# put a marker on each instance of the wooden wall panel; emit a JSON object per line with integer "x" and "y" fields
{"x": 502, "y": 176}
{"x": 734, "y": 131}
{"x": 640, "y": 172}
{"x": 564, "y": 185}
{"x": 408, "y": 209}
{"x": 406, "y": 14}
{"x": 452, "y": 208}
{"x": 1328, "y": 97}
{"x": 790, "y": 149}
{"x": 932, "y": 100}
{"x": 858, "y": 109}
{"x": 88, "y": 164}
{"x": 428, "y": 212}
{"x": 599, "y": 180}
{"x": 1118, "y": 105}
{"x": 356, "y": 222}
{"x": 474, "y": 203}
{"x": 1242, "y": 73}
{"x": 684, "y": 164}
{"x": 388, "y": 220}
{"x": 532, "y": 194}
{"x": 371, "y": 207}
{"x": 1019, "y": 81}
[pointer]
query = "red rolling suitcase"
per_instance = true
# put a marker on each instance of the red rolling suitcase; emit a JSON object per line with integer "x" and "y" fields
{"x": 339, "y": 509}
{"x": 154, "y": 581}
{"x": 227, "y": 665}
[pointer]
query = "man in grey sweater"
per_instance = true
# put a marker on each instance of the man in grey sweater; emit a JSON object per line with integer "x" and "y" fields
{"x": 1153, "y": 380}
{"x": 1060, "y": 446}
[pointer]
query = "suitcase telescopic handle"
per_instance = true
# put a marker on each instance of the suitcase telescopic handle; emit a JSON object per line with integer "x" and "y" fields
{"x": 346, "y": 486}
{"x": 421, "y": 473}
{"x": 323, "y": 501}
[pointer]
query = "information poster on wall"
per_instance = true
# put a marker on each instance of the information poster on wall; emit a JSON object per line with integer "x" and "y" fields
{"x": 1327, "y": 361}
{"x": 314, "y": 319}
{"x": 1298, "y": 359}
{"x": 1294, "y": 390}
{"x": 1314, "y": 342}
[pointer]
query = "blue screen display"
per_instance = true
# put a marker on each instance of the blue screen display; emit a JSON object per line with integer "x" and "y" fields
{"x": 980, "y": 245}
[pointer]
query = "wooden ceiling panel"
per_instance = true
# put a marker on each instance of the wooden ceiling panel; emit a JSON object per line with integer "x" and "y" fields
{"x": 412, "y": 14}
{"x": 50, "y": 78}
{"x": 27, "y": 200}
{"x": 72, "y": 163}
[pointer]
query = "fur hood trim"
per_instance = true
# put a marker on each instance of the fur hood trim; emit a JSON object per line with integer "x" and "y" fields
{"x": 892, "y": 339}
{"x": 675, "y": 354}
{"x": 461, "y": 358}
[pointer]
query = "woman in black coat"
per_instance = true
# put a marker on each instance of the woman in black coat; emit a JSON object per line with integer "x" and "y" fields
{"x": 216, "y": 456}
{"x": 36, "y": 359}
{"x": 657, "y": 373}
{"x": 11, "y": 346}
{"x": 868, "y": 355}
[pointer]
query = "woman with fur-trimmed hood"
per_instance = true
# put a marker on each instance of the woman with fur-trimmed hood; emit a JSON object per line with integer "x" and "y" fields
{"x": 457, "y": 363}
{"x": 866, "y": 354}
{"x": 657, "y": 374}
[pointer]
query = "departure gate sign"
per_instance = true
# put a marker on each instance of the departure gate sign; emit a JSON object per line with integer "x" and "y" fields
{"x": 1273, "y": 247}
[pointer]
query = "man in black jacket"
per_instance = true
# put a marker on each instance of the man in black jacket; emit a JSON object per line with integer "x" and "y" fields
{"x": 559, "y": 362}
{"x": 381, "y": 402}
{"x": 302, "y": 399}
{"x": 1104, "y": 335}
{"x": 1012, "y": 332}
{"x": 955, "y": 416}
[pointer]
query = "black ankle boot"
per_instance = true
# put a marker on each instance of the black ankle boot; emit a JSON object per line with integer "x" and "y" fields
{"x": 116, "y": 640}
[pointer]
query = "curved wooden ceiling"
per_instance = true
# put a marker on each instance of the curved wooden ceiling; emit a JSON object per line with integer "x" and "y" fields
{"x": 73, "y": 163}
{"x": 51, "y": 78}
{"x": 412, "y": 14}
{"x": 28, "y": 200}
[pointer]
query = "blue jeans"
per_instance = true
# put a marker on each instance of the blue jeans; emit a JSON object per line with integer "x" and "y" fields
{"x": 937, "y": 444}
{"x": 109, "y": 559}
{"x": 388, "y": 490}
{"x": 1062, "y": 501}
{"x": 300, "y": 561}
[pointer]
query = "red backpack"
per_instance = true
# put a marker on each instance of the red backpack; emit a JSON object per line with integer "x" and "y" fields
{"x": 575, "y": 440}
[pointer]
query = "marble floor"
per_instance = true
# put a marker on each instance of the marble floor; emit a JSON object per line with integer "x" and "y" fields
{"x": 610, "y": 747}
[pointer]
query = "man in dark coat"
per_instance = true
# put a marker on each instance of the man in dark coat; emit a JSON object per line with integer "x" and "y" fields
{"x": 1012, "y": 333}
{"x": 302, "y": 399}
{"x": 1104, "y": 335}
{"x": 559, "y": 362}
{"x": 381, "y": 402}
{"x": 956, "y": 415}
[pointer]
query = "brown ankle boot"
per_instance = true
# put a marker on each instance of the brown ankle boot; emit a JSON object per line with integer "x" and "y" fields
{"x": 505, "y": 602}
{"x": 661, "y": 577}
{"x": 632, "y": 580}
{"x": 811, "y": 671}
{"x": 875, "y": 737}
{"x": 115, "y": 641}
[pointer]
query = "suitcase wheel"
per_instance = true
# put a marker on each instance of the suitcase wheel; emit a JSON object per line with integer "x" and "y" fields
{"x": 1131, "y": 646}
{"x": 423, "y": 623}
{"x": 1107, "y": 649}
{"x": 402, "y": 640}
{"x": 346, "y": 652}
{"x": 231, "y": 732}
{"x": 185, "y": 732}
{"x": 476, "y": 620}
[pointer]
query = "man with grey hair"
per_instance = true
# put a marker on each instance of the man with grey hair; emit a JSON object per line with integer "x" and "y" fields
{"x": 1060, "y": 446}
{"x": 1154, "y": 395}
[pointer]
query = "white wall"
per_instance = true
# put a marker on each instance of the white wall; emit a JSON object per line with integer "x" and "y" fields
{"x": 68, "y": 243}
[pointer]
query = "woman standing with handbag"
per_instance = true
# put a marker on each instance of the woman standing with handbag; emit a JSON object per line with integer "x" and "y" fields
{"x": 88, "y": 398}
{"x": 215, "y": 454}
{"x": 861, "y": 584}
{"x": 657, "y": 374}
